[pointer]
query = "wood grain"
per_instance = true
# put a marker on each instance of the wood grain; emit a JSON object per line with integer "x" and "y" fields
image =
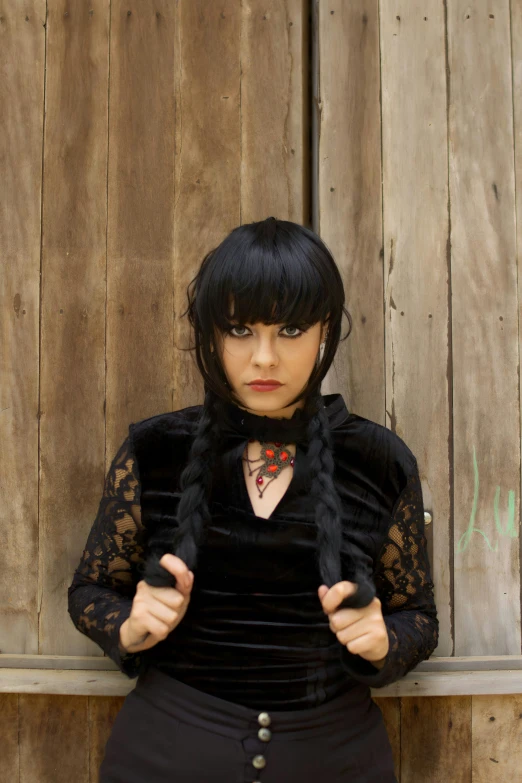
{"x": 471, "y": 663}
{"x": 22, "y": 65}
{"x": 274, "y": 167}
{"x": 436, "y": 740}
{"x": 416, "y": 265}
{"x": 72, "y": 365}
{"x": 349, "y": 206}
{"x": 497, "y": 738}
{"x": 9, "y": 729}
{"x": 486, "y": 404}
{"x": 141, "y": 194}
{"x": 134, "y": 140}
{"x": 54, "y": 739}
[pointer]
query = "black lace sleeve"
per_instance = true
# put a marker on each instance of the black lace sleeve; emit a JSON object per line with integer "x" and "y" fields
{"x": 406, "y": 591}
{"x": 104, "y": 582}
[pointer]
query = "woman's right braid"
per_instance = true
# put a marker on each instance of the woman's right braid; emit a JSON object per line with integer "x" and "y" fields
{"x": 328, "y": 511}
{"x": 193, "y": 511}
{"x": 327, "y": 502}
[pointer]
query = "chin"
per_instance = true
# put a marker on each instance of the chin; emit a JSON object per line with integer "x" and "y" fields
{"x": 268, "y": 401}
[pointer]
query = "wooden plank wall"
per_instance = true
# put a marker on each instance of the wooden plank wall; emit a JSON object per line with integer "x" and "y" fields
{"x": 420, "y": 96}
{"x": 135, "y": 139}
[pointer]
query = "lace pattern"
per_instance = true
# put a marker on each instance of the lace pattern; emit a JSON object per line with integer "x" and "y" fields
{"x": 406, "y": 591}
{"x": 104, "y": 583}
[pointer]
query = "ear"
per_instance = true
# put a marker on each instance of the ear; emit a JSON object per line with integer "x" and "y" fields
{"x": 324, "y": 331}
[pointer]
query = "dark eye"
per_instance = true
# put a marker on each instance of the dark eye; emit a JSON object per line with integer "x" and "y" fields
{"x": 293, "y": 326}
{"x": 237, "y": 326}
{"x": 288, "y": 336}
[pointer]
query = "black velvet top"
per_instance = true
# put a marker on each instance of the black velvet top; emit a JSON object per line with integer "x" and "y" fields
{"x": 255, "y": 632}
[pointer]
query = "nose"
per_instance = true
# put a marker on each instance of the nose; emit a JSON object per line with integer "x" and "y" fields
{"x": 264, "y": 352}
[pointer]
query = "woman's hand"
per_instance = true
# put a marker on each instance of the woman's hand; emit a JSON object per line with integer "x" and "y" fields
{"x": 362, "y": 631}
{"x": 156, "y": 611}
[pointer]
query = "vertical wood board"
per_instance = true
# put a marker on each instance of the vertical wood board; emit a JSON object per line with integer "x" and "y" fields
{"x": 22, "y": 64}
{"x": 486, "y": 405}
{"x": 72, "y": 366}
{"x": 416, "y": 228}
{"x": 349, "y": 219}
{"x": 436, "y": 739}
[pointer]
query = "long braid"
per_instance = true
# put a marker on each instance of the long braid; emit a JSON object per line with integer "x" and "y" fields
{"x": 328, "y": 518}
{"x": 193, "y": 511}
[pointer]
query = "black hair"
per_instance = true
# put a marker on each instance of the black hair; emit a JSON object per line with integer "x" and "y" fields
{"x": 273, "y": 271}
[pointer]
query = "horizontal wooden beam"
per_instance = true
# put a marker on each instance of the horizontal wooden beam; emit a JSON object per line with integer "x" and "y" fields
{"x": 95, "y": 662}
{"x": 103, "y": 663}
{"x": 470, "y": 663}
{"x": 99, "y": 676}
{"x": 456, "y": 683}
{"x": 71, "y": 682}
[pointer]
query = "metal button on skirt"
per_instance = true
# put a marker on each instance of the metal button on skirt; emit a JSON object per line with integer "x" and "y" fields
{"x": 168, "y": 732}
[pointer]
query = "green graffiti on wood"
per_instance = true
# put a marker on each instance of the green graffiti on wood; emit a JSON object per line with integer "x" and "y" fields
{"x": 510, "y": 529}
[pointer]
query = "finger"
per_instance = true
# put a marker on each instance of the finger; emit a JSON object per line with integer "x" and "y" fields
{"x": 344, "y": 618}
{"x": 336, "y": 594}
{"x": 162, "y": 612}
{"x": 167, "y": 596}
{"x": 322, "y": 591}
{"x": 175, "y": 566}
{"x": 158, "y": 628}
{"x": 361, "y": 598}
{"x": 361, "y": 645}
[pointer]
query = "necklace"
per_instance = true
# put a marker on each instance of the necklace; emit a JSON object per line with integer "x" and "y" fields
{"x": 274, "y": 458}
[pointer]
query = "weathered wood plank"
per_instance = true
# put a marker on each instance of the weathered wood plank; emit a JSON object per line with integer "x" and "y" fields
{"x": 496, "y": 738}
{"x": 348, "y": 207}
{"x": 96, "y": 662}
{"x": 456, "y": 683}
{"x": 71, "y": 682}
{"x": 436, "y": 740}
{"x": 22, "y": 65}
{"x": 54, "y": 739}
{"x": 486, "y": 404}
{"x": 141, "y": 196}
{"x": 274, "y": 84}
{"x": 470, "y": 663}
{"x": 433, "y": 664}
{"x": 9, "y": 727}
{"x": 416, "y": 228}
{"x": 516, "y": 57}
{"x": 113, "y": 683}
{"x": 72, "y": 379}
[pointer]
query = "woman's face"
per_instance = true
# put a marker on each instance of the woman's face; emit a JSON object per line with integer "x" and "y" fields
{"x": 280, "y": 352}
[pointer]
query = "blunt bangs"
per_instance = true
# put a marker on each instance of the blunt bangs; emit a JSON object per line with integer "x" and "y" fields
{"x": 251, "y": 280}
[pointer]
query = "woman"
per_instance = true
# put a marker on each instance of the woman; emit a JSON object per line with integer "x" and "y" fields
{"x": 258, "y": 561}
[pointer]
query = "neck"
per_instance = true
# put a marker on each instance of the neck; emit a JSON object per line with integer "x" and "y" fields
{"x": 281, "y": 413}
{"x": 262, "y": 426}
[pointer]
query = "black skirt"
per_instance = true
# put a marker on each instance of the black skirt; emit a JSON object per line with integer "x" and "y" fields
{"x": 168, "y": 732}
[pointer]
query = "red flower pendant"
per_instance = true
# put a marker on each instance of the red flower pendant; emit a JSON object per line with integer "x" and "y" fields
{"x": 275, "y": 457}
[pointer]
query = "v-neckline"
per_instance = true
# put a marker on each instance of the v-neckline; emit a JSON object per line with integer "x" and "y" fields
{"x": 246, "y": 497}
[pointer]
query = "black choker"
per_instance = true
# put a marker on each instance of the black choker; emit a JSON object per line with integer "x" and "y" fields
{"x": 237, "y": 421}
{"x": 237, "y": 426}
